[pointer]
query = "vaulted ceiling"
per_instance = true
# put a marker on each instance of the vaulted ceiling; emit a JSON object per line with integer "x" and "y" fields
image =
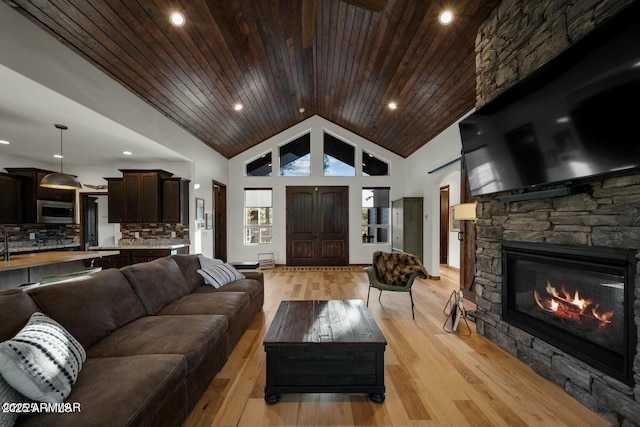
{"x": 251, "y": 52}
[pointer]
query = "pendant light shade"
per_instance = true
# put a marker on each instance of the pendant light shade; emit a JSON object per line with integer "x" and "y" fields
{"x": 61, "y": 180}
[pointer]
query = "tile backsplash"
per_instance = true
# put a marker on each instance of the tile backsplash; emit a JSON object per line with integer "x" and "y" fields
{"x": 25, "y": 237}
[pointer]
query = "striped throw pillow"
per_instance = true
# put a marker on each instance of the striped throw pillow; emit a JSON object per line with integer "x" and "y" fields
{"x": 42, "y": 361}
{"x": 220, "y": 275}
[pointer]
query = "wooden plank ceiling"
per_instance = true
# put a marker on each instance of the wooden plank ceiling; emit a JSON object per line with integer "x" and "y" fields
{"x": 251, "y": 52}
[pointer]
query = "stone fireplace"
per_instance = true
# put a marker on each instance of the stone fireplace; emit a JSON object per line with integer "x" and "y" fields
{"x": 577, "y": 298}
{"x": 602, "y": 218}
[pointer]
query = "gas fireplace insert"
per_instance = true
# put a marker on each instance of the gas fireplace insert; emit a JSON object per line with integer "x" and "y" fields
{"x": 577, "y": 298}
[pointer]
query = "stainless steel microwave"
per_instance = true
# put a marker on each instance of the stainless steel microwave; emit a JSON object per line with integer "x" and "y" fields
{"x": 51, "y": 212}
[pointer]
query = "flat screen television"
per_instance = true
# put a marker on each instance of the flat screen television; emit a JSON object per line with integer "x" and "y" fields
{"x": 576, "y": 116}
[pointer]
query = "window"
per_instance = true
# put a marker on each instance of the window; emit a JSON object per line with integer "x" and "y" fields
{"x": 339, "y": 157}
{"x": 258, "y": 216}
{"x": 375, "y": 215}
{"x": 295, "y": 157}
{"x": 260, "y": 166}
{"x": 372, "y": 166}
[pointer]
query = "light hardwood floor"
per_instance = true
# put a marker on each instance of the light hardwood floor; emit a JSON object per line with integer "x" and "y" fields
{"x": 432, "y": 378}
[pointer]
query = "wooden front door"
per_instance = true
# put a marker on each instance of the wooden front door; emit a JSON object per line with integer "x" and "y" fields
{"x": 317, "y": 225}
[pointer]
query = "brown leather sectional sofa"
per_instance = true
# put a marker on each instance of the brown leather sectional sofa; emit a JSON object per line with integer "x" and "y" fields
{"x": 155, "y": 336}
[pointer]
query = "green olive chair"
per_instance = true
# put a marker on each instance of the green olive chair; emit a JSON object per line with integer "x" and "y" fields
{"x": 396, "y": 265}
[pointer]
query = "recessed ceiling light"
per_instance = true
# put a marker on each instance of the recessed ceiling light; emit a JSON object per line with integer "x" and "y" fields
{"x": 177, "y": 19}
{"x": 237, "y": 107}
{"x": 127, "y": 153}
{"x": 392, "y": 105}
{"x": 445, "y": 17}
{"x": 58, "y": 156}
{"x": 4, "y": 142}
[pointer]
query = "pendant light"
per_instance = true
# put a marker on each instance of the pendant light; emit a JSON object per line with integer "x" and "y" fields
{"x": 61, "y": 181}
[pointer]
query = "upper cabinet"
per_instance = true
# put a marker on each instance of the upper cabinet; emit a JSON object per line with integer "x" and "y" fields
{"x": 32, "y": 188}
{"x": 175, "y": 200}
{"x": 11, "y": 196}
{"x": 148, "y": 196}
{"x": 116, "y": 210}
{"x": 31, "y": 193}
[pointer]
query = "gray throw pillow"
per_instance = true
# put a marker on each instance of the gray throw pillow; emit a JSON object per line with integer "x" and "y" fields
{"x": 220, "y": 275}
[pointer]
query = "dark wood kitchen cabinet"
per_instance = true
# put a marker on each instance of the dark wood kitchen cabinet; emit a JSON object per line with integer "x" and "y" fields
{"x": 34, "y": 191}
{"x": 135, "y": 256}
{"x": 148, "y": 196}
{"x": 141, "y": 195}
{"x": 115, "y": 210}
{"x": 175, "y": 200}
{"x": 11, "y": 196}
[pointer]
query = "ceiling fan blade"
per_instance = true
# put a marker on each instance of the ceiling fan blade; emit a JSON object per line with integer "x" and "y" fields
{"x": 373, "y": 5}
{"x": 309, "y": 8}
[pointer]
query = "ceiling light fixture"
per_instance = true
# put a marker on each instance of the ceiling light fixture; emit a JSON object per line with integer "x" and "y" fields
{"x": 127, "y": 153}
{"x": 237, "y": 107}
{"x": 445, "y": 17}
{"x": 61, "y": 180}
{"x": 392, "y": 105}
{"x": 4, "y": 142}
{"x": 177, "y": 19}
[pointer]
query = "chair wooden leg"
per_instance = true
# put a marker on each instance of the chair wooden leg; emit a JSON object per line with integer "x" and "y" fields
{"x": 368, "y": 292}
{"x": 379, "y": 295}
{"x": 413, "y": 314}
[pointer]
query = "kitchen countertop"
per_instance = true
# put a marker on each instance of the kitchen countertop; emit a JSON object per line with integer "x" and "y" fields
{"x": 141, "y": 246}
{"x": 45, "y": 258}
{"x": 19, "y": 249}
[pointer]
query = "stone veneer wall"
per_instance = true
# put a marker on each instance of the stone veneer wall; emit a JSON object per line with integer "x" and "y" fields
{"x": 47, "y": 236}
{"x": 159, "y": 233}
{"x": 518, "y": 37}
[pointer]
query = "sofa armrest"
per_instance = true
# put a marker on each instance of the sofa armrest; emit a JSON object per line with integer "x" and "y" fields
{"x": 255, "y": 275}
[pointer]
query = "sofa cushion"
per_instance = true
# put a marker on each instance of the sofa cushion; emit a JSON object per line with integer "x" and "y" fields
{"x": 192, "y": 336}
{"x": 42, "y": 361}
{"x": 249, "y": 286}
{"x": 20, "y": 306}
{"x": 189, "y": 265}
{"x": 157, "y": 283}
{"x": 220, "y": 275}
{"x": 223, "y": 303}
{"x": 121, "y": 391}
{"x": 90, "y": 307}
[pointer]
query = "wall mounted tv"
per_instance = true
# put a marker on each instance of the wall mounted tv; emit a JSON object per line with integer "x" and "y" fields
{"x": 576, "y": 116}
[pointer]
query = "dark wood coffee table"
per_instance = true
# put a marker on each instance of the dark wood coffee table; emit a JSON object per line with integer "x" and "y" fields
{"x": 324, "y": 347}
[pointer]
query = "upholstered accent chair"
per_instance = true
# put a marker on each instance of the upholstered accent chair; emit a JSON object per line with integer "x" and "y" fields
{"x": 395, "y": 272}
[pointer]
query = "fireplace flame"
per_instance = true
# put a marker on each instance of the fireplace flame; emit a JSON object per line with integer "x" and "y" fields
{"x": 571, "y": 307}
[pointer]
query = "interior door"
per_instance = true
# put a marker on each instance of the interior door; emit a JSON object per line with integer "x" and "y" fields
{"x": 89, "y": 221}
{"x": 444, "y": 225}
{"x": 220, "y": 221}
{"x": 317, "y": 225}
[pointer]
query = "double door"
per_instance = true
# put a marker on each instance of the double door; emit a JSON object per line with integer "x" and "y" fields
{"x": 317, "y": 225}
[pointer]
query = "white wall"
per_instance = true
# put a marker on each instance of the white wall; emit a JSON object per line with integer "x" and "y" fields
{"x": 30, "y": 51}
{"x": 359, "y": 253}
{"x": 419, "y": 182}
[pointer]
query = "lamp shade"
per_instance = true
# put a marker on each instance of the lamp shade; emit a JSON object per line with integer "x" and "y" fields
{"x": 464, "y": 212}
{"x": 60, "y": 181}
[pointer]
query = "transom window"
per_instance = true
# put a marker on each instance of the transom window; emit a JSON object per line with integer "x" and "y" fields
{"x": 375, "y": 215}
{"x": 260, "y": 166}
{"x": 372, "y": 166}
{"x": 295, "y": 157}
{"x": 258, "y": 207}
{"x": 339, "y": 157}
